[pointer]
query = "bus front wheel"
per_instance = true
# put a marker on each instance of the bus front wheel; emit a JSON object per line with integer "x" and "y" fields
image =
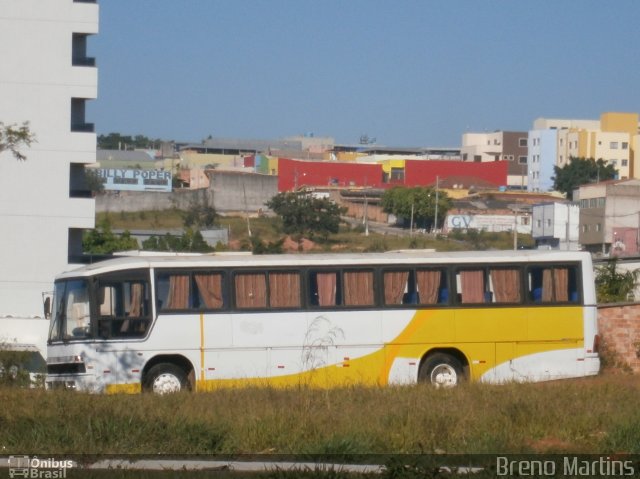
{"x": 165, "y": 378}
{"x": 441, "y": 370}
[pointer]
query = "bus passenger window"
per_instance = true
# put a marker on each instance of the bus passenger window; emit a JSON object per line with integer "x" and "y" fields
{"x": 284, "y": 290}
{"x": 358, "y": 288}
{"x": 553, "y": 284}
{"x": 209, "y": 290}
{"x": 251, "y": 290}
{"x": 432, "y": 286}
{"x": 173, "y": 291}
{"x": 396, "y": 288}
{"x": 505, "y": 285}
{"x": 324, "y": 289}
{"x": 471, "y": 287}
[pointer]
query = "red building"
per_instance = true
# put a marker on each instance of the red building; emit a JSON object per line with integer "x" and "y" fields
{"x": 294, "y": 174}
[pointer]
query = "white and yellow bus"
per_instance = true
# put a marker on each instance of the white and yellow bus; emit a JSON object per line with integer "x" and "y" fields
{"x": 168, "y": 323}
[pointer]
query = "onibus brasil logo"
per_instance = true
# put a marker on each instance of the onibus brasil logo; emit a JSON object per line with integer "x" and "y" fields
{"x": 34, "y": 467}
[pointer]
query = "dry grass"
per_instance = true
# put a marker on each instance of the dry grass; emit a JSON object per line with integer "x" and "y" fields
{"x": 596, "y": 415}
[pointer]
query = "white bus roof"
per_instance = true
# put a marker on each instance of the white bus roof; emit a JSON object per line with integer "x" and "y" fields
{"x": 328, "y": 259}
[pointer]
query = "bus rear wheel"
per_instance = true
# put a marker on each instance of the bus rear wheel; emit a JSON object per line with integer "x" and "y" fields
{"x": 441, "y": 370}
{"x": 165, "y": 378}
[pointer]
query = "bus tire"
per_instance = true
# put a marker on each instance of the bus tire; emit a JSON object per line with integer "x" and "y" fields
{"x": 165, "y": 378}
{"x": 441, "y": 370}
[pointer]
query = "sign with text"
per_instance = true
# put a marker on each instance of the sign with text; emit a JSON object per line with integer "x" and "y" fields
{"x": 125, "y": 179}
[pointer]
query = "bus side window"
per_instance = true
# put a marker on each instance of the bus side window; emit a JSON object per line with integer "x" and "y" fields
{"x": 210, "y": 294}
{"x": 284, "y": 289}
{"x": 431, "y": 286}
{"x": 251, "y": 290}
{"x": 324, "y": 288}
{"x": 173, "y": 291}
{"x": 553, "y": 284}
{"x": 471, "y": 286}
{"x": 505, "y": 285}
{"x": 358, "y": 288}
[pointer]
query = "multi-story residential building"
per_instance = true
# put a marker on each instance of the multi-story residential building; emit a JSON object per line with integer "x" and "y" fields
{"x": 556, "y": 225}
{"x": 46, "y": 79}
{"x": 614, "y": 139}
{"x": 540, "y": 159}
{"x": 511, "y": 146}
{"x": 610, "y": 216}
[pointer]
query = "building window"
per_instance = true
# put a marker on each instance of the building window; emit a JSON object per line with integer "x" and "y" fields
{"x": 624, "y": 163}
{"x": 539, "y": 223}
{"x": 549, "y": 222}
{"x": 593, "y": 203}
{"x": 525, "y": 220}
{"x": 625, "y": 145}
{"x": 613, "y": 145}
{"x": 613, "y": 162}
{"x": 598, "y": 227}
{"x": 78, "y": 123}
{"x": 477, "y": 158}
{"x": 601, "y": 202}
{"x": 523, "y": 142}
{"x": 522, "y": 160}
{"x": 584, "y": 203}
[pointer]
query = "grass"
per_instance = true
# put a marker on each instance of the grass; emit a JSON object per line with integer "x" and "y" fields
{"x": 268, "y": 229}
{"x": 594, "y": 415}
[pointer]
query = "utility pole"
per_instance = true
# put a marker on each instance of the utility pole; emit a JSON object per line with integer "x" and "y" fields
{"x": 435, "y": 220}
{"x": 411, "y": 224}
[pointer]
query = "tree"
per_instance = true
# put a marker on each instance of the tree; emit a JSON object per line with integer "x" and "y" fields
{"x": 191, "y": 241}
{"x": 580, "y": 171}
{"x": 116, "y": 141}
{"x": 613, "y": 286}
{"x": 102, "y": 240}
{"x": 306, "y": 215}
{"x": 400, "y": 201}
{"x": 13, "y": 137}
{"x": 199, "y": 215}
{"x": 94, "y": 181}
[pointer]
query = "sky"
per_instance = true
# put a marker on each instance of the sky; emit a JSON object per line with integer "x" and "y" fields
{"x": 412, "y": 73}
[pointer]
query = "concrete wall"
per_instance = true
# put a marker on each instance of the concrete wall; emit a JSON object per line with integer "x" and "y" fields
{"x": 228, "y": 191}
{"x": 130, "y": 201}
{"x": 236, "y": 191}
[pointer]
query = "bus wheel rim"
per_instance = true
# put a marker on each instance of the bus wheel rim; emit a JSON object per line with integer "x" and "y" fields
{"x": 166, "y": 383}
{"x": 444, "y": 376}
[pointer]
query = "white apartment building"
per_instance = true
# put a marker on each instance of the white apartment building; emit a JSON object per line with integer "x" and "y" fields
{"x": 46, "y": 79}
{"x": 556, "y": 225}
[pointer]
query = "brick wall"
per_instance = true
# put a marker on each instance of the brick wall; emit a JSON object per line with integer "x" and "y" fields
{"x": 619, "y": 329}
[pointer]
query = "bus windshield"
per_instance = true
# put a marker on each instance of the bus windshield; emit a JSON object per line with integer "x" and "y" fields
{"x": 71, "y": 313}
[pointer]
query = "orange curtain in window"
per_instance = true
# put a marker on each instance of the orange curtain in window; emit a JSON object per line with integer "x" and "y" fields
{"x": 251, "y": 291}
{"x": 326, "y": 289}
{"x": 547, "y": 285}
{"x": 506, "y": 285}
{"x": 395, "y": 284}
{"x": 210, "y": 289}
{"x": 178, "y": 292}
{"x": 358, "y": 288}
{"x": 135, "y": 308}
{"x": 284, "y": 290}
{"x": 472, "y": 286}
{"x": 561, "y": 284}
{"x": 428, "y": 286}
